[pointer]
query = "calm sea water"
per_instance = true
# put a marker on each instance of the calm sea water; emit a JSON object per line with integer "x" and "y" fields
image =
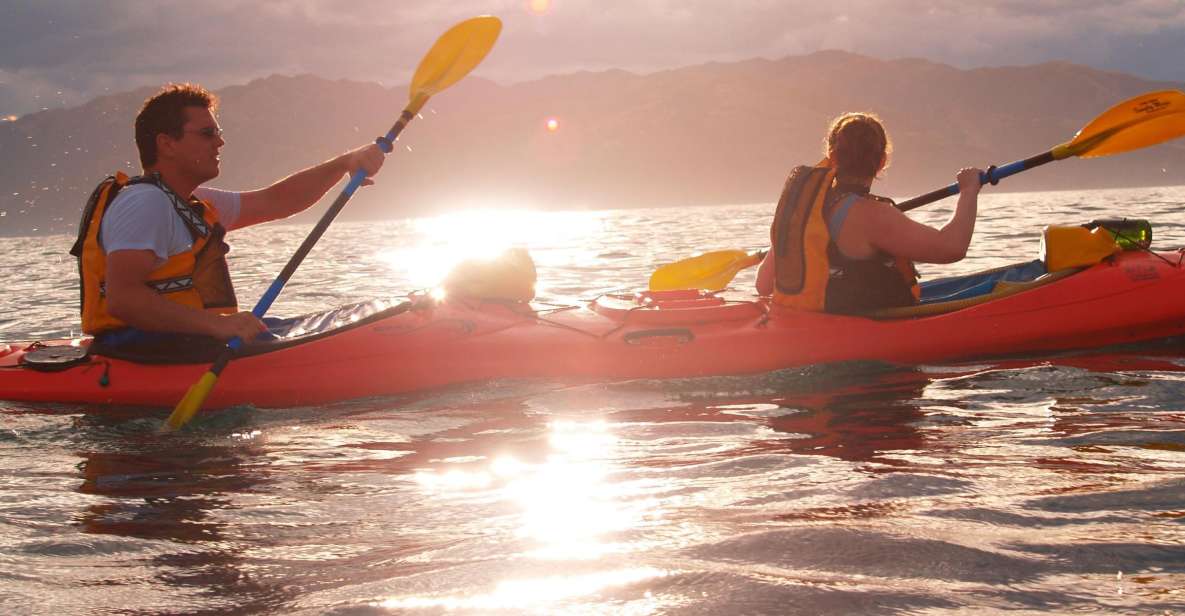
{"x": 1052, "y": 485}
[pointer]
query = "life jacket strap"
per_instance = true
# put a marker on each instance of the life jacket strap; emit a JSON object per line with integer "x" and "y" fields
{"x": 172, "y": 285}
{"x": 189, "y": 211}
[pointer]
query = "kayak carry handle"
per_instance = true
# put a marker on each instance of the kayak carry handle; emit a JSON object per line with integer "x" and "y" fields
{"x": 653, "y": 337}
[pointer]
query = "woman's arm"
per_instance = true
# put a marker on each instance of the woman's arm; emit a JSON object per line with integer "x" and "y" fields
{"x": 874, "y": 225}
{"x": 765, "y": 275}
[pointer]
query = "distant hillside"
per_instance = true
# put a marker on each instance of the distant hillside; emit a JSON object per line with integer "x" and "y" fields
{"x": 715, "y": 133}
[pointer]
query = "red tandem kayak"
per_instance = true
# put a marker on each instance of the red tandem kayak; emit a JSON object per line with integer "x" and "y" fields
{"x": 376, "y": 348}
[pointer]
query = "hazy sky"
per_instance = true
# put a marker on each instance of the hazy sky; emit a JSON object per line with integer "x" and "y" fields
{"x": 63, "y": 52}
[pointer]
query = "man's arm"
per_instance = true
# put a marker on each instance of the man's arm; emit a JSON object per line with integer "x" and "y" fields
{"x": 131, "y": 300}
{"x": 302, "y": 189}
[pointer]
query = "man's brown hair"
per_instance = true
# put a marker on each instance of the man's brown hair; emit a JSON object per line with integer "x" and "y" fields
{"x": 164, "y": 113}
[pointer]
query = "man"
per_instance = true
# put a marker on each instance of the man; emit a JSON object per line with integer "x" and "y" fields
{"x": 150, "y": 249}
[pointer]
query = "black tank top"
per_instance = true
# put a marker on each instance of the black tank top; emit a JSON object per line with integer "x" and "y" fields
{"x": 859, "y": 286}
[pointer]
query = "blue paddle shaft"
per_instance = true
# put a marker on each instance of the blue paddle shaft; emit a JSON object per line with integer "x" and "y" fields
{"x": 992, "y": 175}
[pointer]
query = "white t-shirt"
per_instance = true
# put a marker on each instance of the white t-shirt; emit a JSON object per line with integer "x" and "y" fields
{"x": 142, "y": 217}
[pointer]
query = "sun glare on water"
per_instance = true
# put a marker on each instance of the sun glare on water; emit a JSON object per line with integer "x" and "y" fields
{"x": 441, "y": 242}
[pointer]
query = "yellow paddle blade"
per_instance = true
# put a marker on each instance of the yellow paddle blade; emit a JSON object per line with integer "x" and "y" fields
{"x": 192, "y": 402}
{"x": 453, "y": 55}
{"x": 1136, "y": 123}
{"x": 711, "y": 271}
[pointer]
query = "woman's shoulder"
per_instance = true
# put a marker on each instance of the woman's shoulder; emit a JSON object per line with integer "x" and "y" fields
{"x": 877, "y": 207}
{"x": 869, "y": 220}
{"x": 866, "y": 208}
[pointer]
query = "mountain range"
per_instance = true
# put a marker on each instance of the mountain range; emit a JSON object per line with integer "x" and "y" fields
{"x": 709, "y": 134}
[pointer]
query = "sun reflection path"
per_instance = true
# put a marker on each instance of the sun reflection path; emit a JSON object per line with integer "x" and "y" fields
{"x": 569, "y": 505}
{"x": 570, "y": 511}
{"x": 530, "y": 593}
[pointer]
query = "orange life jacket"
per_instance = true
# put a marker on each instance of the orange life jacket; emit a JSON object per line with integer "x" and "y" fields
{"x": 807, "y": 262}
{"x": 198, "y": 278}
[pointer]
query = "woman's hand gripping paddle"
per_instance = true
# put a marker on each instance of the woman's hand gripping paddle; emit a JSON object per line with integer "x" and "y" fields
{"x": 1136, "y": 123}
{"x": 454, "y": 55}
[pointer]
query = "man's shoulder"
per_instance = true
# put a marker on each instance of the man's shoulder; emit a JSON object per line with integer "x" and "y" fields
{"x": 227, "y": 203}
{"x": 210, "y": 192}
{"x": 139, "y": 200}
{"x": 140, "y": 193}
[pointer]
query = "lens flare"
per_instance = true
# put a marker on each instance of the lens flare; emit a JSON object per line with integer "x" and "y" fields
{"x": 539, "y": 7}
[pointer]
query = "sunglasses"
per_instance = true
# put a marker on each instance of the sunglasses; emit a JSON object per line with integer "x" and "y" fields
{"x": 209, "y": 132}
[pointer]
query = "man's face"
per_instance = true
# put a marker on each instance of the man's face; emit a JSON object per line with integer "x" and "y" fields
{"x": 196, "y": 152}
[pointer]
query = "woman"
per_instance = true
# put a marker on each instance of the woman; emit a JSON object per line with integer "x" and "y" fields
{"x": 838, "y": 248}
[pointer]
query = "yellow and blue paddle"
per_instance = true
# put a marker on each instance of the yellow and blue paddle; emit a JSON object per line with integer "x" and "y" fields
{"x": 1136, "y": 123}
{"x": 457, "y": 52}
{"x": 1139, "y": 122}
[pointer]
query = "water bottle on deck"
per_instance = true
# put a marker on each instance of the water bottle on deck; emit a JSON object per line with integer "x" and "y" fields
{"x": 1130, "y": 233}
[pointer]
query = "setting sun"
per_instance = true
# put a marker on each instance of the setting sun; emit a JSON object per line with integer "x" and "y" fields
{"x": 539, "y": 7}
{"x": 553, "y": 125}
{"x": 484, "y": 232}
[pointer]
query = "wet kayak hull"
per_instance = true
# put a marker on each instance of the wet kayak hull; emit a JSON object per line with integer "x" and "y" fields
{"x": 428, "y": 344}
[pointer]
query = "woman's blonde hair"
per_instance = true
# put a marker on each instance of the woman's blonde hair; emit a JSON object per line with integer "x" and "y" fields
{"x": 857, "y": 143}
